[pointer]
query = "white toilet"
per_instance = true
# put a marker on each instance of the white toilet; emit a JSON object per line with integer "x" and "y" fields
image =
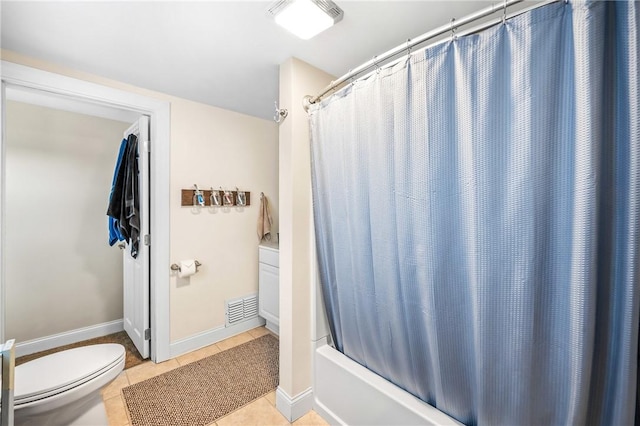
{"x": 64, "y": 388}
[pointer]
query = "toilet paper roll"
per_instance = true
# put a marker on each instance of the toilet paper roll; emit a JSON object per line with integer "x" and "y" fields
{"x": 187, "y": 268}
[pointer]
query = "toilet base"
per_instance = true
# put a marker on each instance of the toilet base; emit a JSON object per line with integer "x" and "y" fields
{"x": 89, "y": 411}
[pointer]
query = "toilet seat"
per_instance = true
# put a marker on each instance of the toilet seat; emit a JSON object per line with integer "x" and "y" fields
{"x": 56, "y": 373}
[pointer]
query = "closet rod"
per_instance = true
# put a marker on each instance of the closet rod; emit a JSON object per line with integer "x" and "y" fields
{"x": 378, "y": 60}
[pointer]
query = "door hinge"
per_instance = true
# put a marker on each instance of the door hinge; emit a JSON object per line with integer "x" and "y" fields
{"x": 147, "y": 146}
{"x": 147, "y": 334}
{"x": 147, "y": 240}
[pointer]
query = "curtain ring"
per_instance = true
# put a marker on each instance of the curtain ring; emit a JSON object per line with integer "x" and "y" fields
{"x": 504, "y": 12}
{"x": 408, "y": 47}
{"x": 375, "y": 63}
{"x": 453, "y": 29}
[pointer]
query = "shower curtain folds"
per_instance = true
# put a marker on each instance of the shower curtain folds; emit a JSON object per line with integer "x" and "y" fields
{"x": 482, "y": 250}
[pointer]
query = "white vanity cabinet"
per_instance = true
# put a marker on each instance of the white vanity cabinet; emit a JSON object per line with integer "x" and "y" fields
{"x": 269, "y": 285}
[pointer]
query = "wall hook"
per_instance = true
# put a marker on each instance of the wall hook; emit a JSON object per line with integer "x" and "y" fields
{"x": 198, "y": 197}
{"x": 281, "y": 113}
{"x": 241, "y": 198}
{"x": 215, "y": 198}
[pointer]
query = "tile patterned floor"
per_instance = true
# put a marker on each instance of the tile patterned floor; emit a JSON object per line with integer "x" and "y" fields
{"x": 260, "y": 412}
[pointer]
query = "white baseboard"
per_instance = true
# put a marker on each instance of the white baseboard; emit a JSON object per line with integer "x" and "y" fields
{"x": 68, "y": 337}
{"x": 210, "y": 337}
{"x": 296, "y": 407}
{"x": 274, "y": 328}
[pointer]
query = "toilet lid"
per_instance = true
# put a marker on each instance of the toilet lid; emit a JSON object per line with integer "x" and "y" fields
{"x": 59, "y": 371}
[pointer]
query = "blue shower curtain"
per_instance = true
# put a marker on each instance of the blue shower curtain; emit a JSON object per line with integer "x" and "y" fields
{"x": 477, "y": 211}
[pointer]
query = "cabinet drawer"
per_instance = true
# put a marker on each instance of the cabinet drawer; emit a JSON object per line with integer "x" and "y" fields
{"x": 270, "y": 257}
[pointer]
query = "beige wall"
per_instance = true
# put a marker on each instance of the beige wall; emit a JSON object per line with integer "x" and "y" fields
{"x": 297, "y": 79}
{"x": 209, "y": 147}
{"x": 60, "y": 272}
{"x": 217, "y": 148}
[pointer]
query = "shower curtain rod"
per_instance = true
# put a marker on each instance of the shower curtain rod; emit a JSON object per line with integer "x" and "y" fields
{"x": 451, "y": 27}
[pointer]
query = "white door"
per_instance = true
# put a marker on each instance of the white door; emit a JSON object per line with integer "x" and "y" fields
{"x": 136, "y": 270}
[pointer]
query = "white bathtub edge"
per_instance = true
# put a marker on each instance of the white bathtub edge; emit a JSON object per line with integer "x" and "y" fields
{"x": 348, "y": 393}
{"x": 326, "y": 414}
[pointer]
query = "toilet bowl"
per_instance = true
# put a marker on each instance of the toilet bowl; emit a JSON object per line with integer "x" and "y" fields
{"x": 64, "y": 388}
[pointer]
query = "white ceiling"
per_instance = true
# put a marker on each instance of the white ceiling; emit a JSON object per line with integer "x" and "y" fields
{"x": 221, "y": 53}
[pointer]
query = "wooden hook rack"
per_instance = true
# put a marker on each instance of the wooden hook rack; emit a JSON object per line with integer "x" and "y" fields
{"x": 189, "y": 194}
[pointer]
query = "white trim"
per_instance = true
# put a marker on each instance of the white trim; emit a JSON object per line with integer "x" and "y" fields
{"x": 160, "y": 174}
{"x": 296, "y": 407}
{"x": 273, "y": 327}
{"x": 68, "y": 337}
{"x": 2, "y": 210}
{"x": 159, "y": 112}
{"x": 64, "y": 103}
{"x": 212, "y": 336}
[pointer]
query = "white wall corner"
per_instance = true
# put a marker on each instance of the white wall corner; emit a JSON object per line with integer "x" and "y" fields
{"x": 294, "y": 407}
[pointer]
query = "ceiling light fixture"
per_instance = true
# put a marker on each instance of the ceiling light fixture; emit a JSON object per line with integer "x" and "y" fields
{"x": 305, "y": 18}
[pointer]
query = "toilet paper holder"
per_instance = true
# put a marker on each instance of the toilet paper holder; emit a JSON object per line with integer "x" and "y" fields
{"x": 176, "y": 267}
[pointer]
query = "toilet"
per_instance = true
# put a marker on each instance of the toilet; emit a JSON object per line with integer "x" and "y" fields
{"x": 64, "y": 388}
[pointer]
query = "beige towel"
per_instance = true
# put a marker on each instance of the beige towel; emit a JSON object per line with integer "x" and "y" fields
{"x": 264, "y": 219}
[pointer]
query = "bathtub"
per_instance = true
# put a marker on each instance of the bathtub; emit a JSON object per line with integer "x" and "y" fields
{"x": 349, "y": 394}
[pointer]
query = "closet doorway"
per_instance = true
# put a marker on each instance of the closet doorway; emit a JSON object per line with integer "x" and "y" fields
{"x": 145, "y": 311}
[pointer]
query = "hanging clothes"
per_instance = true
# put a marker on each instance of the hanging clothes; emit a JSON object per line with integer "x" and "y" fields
{"x": 114, "y": 230}
{"x": 124, "y": 205}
